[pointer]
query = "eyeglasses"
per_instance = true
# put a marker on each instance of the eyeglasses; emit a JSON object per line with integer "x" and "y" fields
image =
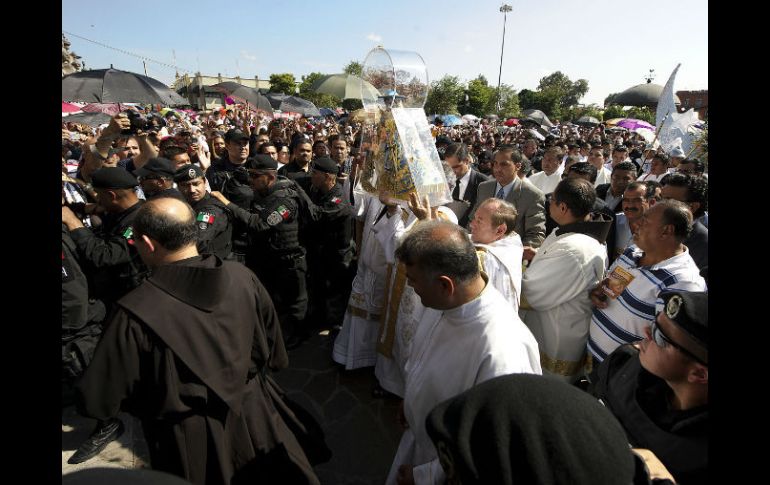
{"x": 253, "y": 175}
{"x": 662, "y": 340}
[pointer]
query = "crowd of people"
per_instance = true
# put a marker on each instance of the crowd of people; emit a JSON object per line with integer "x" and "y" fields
{"x": 568, "y": 272}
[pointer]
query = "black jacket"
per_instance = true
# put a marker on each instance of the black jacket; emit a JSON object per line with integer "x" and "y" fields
{"x": 109, "y": 255}
{"x": 471, "y": 192}
{"x": 639, "y": 400}
{"x": 601, "y": 192}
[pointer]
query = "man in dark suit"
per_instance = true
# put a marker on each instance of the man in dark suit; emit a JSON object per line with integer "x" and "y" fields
{"x": 612, "y": 193}
{"x": 528, "y": 199}
{"x": 457, "y": 157}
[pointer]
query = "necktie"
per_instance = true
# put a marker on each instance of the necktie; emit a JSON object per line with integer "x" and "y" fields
{"x": 500, "y": 194}
{"x": 456, "y": 191}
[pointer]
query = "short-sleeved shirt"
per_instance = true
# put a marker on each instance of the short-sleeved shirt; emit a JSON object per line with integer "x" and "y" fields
{"x": 624, "y": 320}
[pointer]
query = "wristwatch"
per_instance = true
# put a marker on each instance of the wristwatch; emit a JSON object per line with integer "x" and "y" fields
{"x": 88, "y": 187}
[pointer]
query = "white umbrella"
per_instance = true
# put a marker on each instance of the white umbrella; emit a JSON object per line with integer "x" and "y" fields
{"x": 470, "y": 117}
{"x": 536, "y": 134}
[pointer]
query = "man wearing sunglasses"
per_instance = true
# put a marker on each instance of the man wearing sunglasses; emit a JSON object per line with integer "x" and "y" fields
{"x": 659, "y": 391}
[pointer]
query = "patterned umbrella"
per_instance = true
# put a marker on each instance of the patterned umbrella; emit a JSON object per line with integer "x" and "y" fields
{"x": 69, "y": 108}
{"x": 631, "y": 124}
{"x": 107, "y": 108}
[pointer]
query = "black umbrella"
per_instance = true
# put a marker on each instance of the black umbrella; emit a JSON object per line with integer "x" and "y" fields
{"x": 293, "y": 104}
{"x": 538, "y": 117}
{"x": 90, "y": 119}
{"x": 244, "y": 94}
{"x": 587, "y": 121}
{"x": 115, "y": 86}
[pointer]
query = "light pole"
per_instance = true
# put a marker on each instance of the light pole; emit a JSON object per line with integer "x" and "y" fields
{"x": 505, "y": 8}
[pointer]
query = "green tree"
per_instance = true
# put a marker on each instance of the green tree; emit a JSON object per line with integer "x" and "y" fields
{"x": 319, "y": 99}
{"x": 282, "y": 83}
{"x": 613, "y": 111}
{"x": 353, "y": 67}
{"x": 548, "y": 103}
{"x": 509, "y": 103}
{"x": 481, "y": 96}
{"x": 643, "y": 113}
{"x": 559, "y": 86}
{"x": 444, "y": 95}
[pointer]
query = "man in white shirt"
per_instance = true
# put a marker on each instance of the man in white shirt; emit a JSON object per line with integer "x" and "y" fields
{"x": 467, "y": 335}
{"x": 549, "y": 178}
{"x": 596, "y": 158}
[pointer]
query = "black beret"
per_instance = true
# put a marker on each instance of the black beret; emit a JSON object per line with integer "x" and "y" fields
{"x": 262, "y": 162}
{"x": 517, "y": 429}
{"x": 689, "y": 311}
{"x": 113, "y": 178}
{"x": 326, "y": 165}
{"x": 235, "y": 134}
{"x": 442, "y": 139}
{"x": 188, "y": 172}
{"x": 157, "y": 166}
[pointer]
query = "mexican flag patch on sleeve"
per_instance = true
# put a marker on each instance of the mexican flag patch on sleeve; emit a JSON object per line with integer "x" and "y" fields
{"x": 283, "y": 211}
{"x": 129, "y": 234}
{"x": 205, "y": 217}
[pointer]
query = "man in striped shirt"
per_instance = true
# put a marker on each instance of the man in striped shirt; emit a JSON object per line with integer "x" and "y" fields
{"x": 625, "y": 301}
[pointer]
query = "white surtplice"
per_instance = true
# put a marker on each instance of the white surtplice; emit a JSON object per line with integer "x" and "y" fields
{"x": 452, "y": 351}
{"x": 501, "y": 261}
{"x": 356, "y": 343}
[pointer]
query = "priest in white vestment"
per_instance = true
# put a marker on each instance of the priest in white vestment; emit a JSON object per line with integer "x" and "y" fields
{"x": 571, "y": 261}
{"x": 403, "y": 309}
{"x": 355, "y": 345}
{"x": 499, "y": 248}
{"x": 467, "y": 335}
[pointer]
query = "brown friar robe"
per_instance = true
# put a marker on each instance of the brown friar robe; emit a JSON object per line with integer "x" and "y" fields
{"x": 189, "y": 353}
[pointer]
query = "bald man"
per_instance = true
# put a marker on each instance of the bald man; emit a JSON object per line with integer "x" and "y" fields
{"x": 468, "y": 332}
{"x": 187, "y": 352}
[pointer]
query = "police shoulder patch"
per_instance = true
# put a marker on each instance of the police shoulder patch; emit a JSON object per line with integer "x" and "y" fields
{"x": 129, "y": 234}
{"x": 274, "y": 218}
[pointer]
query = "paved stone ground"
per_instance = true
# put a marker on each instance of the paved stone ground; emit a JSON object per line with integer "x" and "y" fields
{"x": 360, "y": 430}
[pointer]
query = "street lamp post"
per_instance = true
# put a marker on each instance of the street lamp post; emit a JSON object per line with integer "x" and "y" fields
{"x": 505, "y": 8}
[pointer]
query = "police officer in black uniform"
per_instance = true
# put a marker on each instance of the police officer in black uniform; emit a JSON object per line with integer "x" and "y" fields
{"x": 157, "y": 179}
{"x": 228, "y": 175}
{"x": 329, "y": 233}
{"x": 274, "y": 252}
{"x": 110, "y": 258}
{"x": 214, "y": 220}
{"x": 81, "y": 315}
{"x": 108, "y": 253}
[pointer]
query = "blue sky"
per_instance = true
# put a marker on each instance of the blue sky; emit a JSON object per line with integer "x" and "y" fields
{"x": 611, "y": 43}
